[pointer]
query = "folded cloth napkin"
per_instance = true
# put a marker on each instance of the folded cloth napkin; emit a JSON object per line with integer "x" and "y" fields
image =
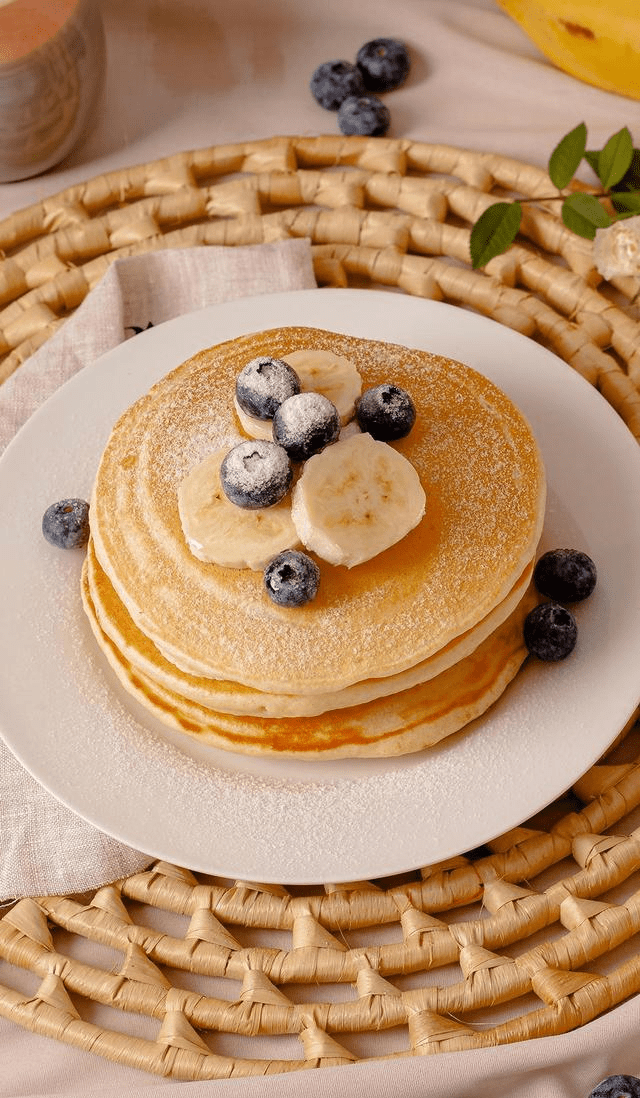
{"x": 47, "y": 849}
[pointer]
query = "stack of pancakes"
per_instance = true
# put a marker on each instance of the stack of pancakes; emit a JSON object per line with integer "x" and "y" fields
{"x": 393, "y": 654}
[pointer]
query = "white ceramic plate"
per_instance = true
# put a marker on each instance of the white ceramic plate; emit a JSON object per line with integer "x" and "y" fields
{"x": 65, "y": 717}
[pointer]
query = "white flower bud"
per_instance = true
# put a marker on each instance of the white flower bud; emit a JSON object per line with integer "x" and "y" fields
{"x": 616, "y": 249}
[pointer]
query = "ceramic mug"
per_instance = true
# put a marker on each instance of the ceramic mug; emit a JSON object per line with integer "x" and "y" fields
{"x": 52, "y": 63}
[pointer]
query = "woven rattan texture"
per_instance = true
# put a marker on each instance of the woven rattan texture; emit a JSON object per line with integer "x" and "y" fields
{"x": 384, "y": 212}
{"x": 531, "y": 936}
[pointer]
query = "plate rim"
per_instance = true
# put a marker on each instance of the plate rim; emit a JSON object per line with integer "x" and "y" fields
{"x": 146, "y": 341}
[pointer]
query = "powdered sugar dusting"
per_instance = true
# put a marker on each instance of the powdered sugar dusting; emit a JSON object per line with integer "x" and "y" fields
{"x": 301, "y": 413}
{"x": 263, "y": 384}
{"x": 315, "y": 822}
{"x": 257, "y": 462}
{"x": 305, "y": 424}
{"x": 480, "y": 529}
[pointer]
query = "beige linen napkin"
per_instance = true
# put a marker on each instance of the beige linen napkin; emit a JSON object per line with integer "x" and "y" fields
{"x": 46, "y": 849}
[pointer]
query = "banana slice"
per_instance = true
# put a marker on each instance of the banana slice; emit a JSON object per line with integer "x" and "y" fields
{"x": 251, "y": 425}
{"x": 355, "y": 499}
{"x": 332, "y": 375}
{"x": 323, "y": 372}
{"x": 219, "y": 532}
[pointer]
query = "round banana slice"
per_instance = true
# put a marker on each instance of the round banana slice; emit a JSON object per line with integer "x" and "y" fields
{"x": 355, "y": 499}
{"x": 251, "y": 425}
{"x": 335, "y": 376}
{"x": 219, "y": 532}
{"x": 332, "y": 375}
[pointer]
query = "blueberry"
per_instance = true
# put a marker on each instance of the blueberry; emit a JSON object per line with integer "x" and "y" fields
{"x": 617, "y": 1086}
{"x": 334, "y": 81}
{"x": 255, "y": 473}
{"x": 263, "y": 384}
{"x": 384, "y": 64}
{"x": 66, "y": 524}
{"x": 550, "y": 632}
{"x": 566, "y": 575}
{"x": 365, "y": 115}
{"x": 306, "y": 423}
{"x": 292, "y": 578}
{"x": 387, "y": 412}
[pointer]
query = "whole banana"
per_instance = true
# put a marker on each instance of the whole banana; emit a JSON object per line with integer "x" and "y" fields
{"x": 597, "y": 41}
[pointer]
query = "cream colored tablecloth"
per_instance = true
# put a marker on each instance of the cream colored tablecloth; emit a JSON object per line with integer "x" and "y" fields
{"x": 189, "y": 73}
{"x": 47, "y": 849}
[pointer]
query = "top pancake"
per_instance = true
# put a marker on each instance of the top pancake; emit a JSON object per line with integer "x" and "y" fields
{"x": 478, "y": 463}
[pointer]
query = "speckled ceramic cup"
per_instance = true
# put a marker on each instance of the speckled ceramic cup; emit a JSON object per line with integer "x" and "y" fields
{"x": 52, "y": 62}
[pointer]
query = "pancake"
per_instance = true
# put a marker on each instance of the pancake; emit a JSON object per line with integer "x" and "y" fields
{"x": 144, "y": 658}
{"x": 477, "y": 460}
{"x": 407, "y": 721}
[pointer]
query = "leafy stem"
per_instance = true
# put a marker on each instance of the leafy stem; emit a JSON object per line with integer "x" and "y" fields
{"x": 555, "y": 198}
{"x": 617, "y": 166}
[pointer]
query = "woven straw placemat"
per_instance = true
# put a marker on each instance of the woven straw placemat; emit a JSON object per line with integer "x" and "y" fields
{"x": 530, "y": 936}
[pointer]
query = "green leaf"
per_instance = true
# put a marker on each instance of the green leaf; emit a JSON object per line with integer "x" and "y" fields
{"x": 615, "y": 159}
{"x": 626, "y": 202}
{"x": 593, "y": 159}
{"x": 567, "y": 155}
{"x": 494, "y": 231}
{"x": 631, "y": 178}
{"x": 583, "y": 214}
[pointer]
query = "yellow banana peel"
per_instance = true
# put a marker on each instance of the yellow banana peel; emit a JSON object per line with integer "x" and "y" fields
{"x": 597, "y": 41}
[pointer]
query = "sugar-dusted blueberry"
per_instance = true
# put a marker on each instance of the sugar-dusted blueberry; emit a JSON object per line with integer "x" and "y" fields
{"x": 292, "y": 578}
{"x": 65, "y": 524}
{"x": 263, "y": 384}
{"x": 306, "y": 423}
{"x": 334, "y": 81}
{"x": 365, "y": 115}
{"x": 256, "y": 473}
{"x": 566, "y": 575}
{"x": 617, "y": 1086}
{"x": 387, "y": 412}
{"x": 550, "y": 632}
{"x": 384, "y": 64}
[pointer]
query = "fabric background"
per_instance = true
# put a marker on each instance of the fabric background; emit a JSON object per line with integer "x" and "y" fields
{"x": 46, "y": 849}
